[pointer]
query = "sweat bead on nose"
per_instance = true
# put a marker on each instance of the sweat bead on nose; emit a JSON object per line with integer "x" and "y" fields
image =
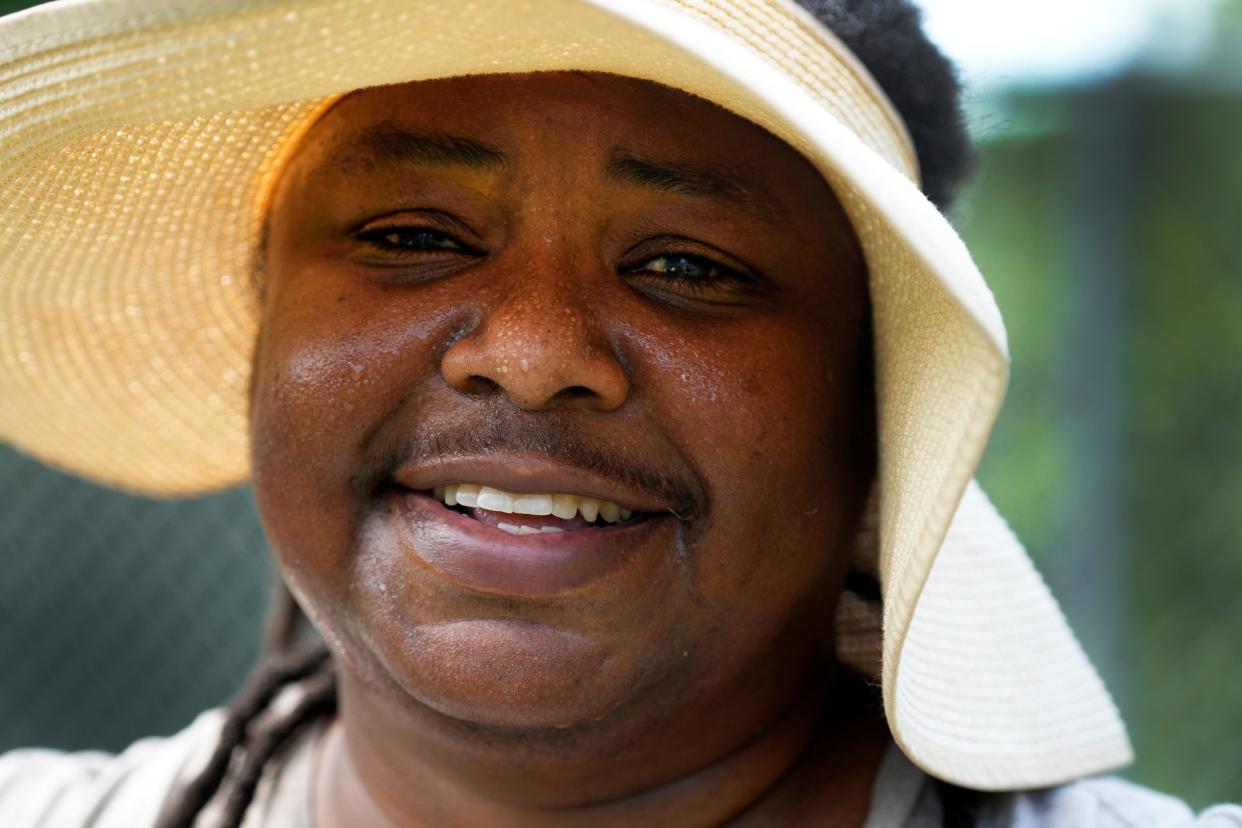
{"x": 537, "y": 342}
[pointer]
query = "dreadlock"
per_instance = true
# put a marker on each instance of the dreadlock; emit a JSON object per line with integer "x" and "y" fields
{"x": 248, "y": 737}
{"x": 887, "y": 37}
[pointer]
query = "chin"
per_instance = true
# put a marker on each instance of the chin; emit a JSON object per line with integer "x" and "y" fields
{"x": 499, "y": 673}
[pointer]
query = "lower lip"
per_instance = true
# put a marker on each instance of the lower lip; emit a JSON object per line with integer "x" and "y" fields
{"x": 486, "y": 559}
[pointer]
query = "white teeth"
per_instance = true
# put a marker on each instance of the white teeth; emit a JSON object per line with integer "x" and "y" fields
{"x": 528, "y": 530}
{"x": 467, "y": 494}
{"x": 563, "y": 506}
{"x": 533, "y": 504}
{"x": 494, "y": 500}
{"x": 609, "y": 511}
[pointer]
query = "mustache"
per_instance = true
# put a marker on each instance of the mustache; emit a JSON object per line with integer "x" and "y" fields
{"x": 558, "y": 440}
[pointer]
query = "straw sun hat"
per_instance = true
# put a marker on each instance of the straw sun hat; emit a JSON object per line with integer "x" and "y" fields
{"x": 139, "y": 140}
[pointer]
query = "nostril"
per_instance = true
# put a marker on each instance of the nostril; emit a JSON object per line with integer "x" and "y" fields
{"x": 479, "y": 384}
{"x": 534, "y": 374}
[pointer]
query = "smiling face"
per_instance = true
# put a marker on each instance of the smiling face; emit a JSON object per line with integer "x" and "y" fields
{"x": 626, "y": 332}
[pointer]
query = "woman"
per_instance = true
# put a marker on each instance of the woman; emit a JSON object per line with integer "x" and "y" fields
{"x": 606, "y": 382}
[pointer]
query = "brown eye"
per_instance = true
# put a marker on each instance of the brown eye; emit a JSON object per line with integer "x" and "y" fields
{"x": 692, "y": 272}
{"x": 680, "y": 266}
{"x": 411, "y": 240}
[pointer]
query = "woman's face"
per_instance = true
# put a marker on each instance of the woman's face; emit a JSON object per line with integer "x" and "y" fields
{"x": 574, "y": 285}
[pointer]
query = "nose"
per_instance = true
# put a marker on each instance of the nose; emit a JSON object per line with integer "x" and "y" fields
{"x": 541, "y": 345}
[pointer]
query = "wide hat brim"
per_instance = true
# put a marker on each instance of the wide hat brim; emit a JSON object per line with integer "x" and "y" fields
{"x": 138, "y": 140}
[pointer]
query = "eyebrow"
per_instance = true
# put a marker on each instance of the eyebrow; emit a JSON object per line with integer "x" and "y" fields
{"x": 387, "y": 145}
{"x": 710, "y": 183}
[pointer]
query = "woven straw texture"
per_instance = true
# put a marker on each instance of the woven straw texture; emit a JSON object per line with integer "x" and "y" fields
{"x": 139, "y": 140}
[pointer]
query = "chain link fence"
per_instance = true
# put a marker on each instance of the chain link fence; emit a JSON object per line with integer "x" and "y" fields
{"x": 120, "y": 617}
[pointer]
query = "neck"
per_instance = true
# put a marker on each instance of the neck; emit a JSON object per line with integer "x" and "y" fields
{"x": 813, "y": 758}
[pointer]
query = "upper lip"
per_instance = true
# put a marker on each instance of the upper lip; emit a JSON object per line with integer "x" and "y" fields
{"x": 526, "y": 475}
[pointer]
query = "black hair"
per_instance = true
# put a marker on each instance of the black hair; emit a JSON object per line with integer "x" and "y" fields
{"x": 887, "y": 37}
{"x": 248, "y": 737}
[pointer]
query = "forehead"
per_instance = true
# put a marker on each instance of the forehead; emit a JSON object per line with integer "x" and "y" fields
{"x": 524, "y": 106}
{"x": 629, "y": 130}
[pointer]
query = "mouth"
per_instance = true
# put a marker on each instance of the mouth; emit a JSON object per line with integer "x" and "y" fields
{"x": 522, "y": 526}
{"x": 533, "y": 513}
{"x": 518, "y": 545}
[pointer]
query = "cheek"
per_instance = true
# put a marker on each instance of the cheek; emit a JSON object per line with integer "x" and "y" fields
{"x": 774, "y": 414}
{"x": 312, "y": 377}
{"x": 332, "y": 367}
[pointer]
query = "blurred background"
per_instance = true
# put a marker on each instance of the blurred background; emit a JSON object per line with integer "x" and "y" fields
{"x": 1105, "y": 214}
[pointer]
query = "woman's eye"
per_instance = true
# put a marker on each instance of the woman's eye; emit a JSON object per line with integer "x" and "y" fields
{"x": 682, "y": 277}
{"x": 687, "y": 268}
{"x": 411, "y": 240}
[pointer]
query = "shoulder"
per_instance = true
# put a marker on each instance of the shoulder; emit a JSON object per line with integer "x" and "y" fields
{"x": 98, "y": 790}
{"x": 1102, "y": 802}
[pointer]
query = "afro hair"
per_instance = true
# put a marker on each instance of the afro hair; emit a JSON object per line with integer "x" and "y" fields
{"x": 888, "y": 37}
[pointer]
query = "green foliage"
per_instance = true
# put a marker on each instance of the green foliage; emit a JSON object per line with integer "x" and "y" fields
{"x": 1230, "y": 10}
{"x": 1010, "y": 219}
{"x": 1186, "y": 389}
{"x": 1179, "y": 584}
